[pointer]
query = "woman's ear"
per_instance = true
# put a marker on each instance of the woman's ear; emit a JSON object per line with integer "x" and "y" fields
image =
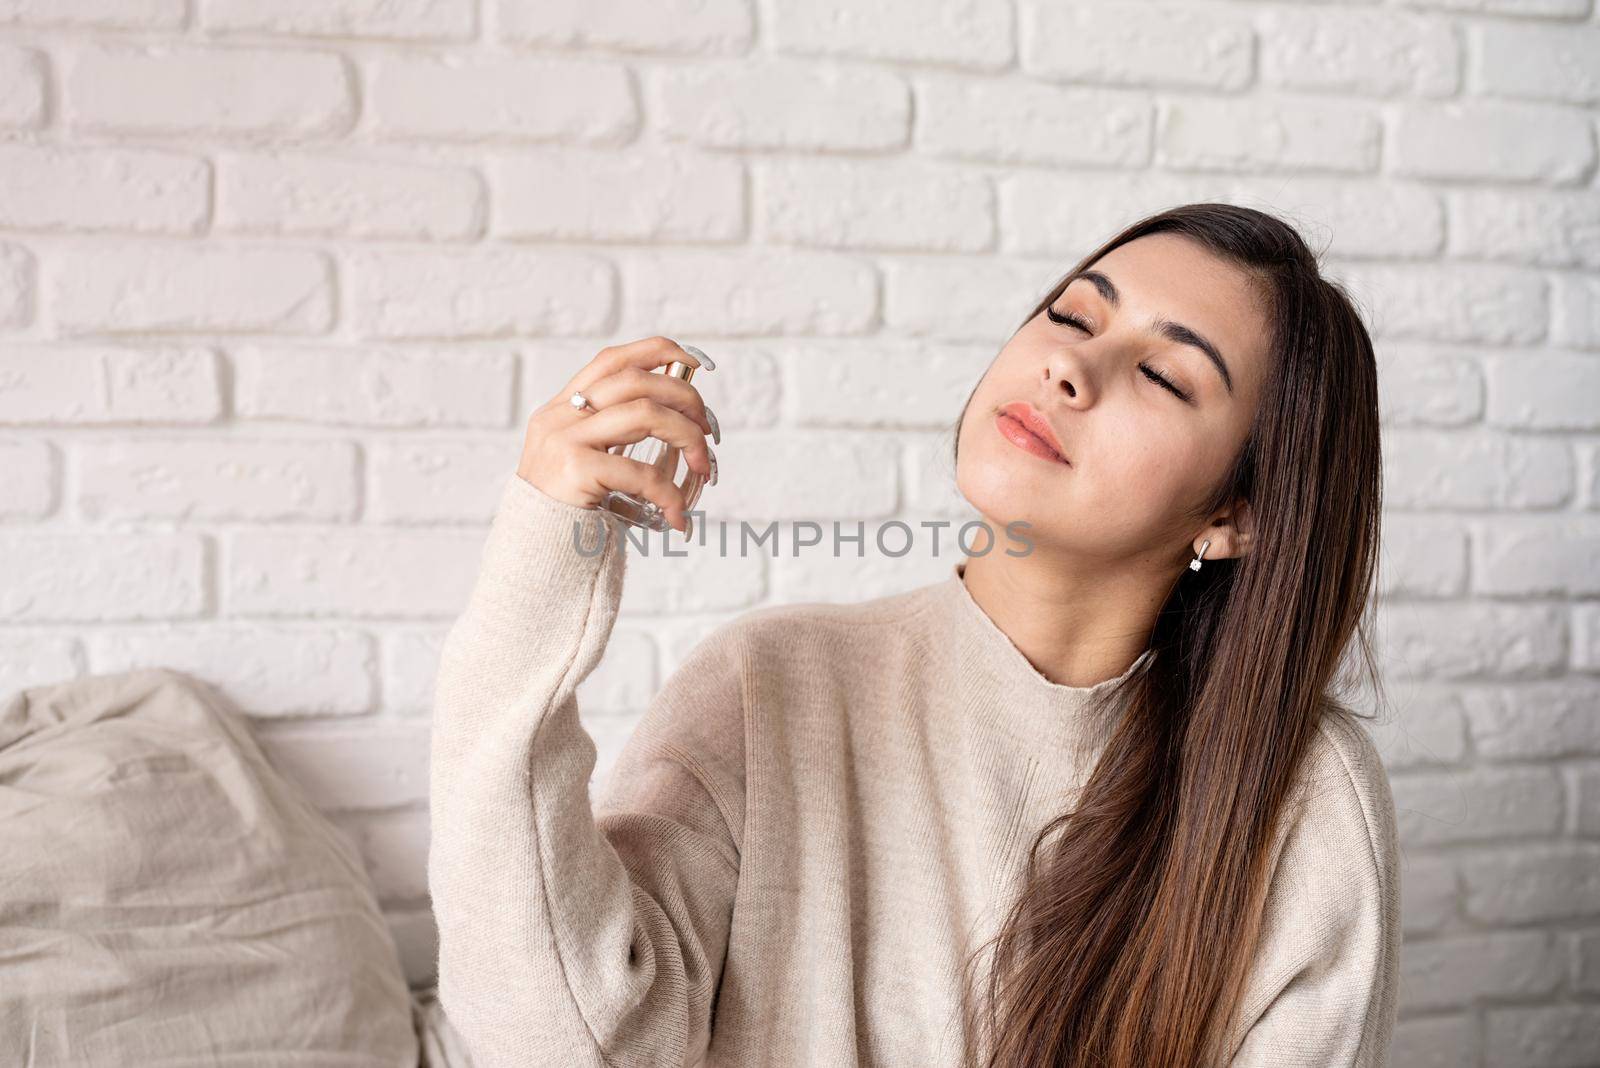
{"x": 1231, "y": 532}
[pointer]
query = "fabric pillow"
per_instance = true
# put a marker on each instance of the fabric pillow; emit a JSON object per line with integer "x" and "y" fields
{"x": 167, "y": 898}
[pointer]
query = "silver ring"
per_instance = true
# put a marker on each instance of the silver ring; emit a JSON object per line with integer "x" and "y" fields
{"x": 579, "y": 402}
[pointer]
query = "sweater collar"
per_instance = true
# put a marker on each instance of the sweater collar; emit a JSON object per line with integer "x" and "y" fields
{"x": 1007, "y": 687}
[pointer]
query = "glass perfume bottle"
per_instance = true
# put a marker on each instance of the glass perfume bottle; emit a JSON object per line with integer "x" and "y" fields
{"x": 669, "y": 459}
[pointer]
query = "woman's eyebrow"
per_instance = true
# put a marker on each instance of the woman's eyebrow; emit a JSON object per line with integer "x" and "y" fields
{"x": 1176, "y": 332}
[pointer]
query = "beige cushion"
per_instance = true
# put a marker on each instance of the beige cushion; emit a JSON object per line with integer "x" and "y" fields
{"x": 167, "y": 898}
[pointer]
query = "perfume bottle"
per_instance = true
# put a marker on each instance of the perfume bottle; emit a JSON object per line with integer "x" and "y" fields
{"x": 669, "y": 459}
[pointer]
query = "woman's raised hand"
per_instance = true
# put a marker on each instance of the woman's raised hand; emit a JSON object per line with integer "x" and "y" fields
{"x": 564, "y": 450}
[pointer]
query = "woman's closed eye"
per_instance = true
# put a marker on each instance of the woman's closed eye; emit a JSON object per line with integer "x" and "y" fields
{"x": 1069, "y": 319}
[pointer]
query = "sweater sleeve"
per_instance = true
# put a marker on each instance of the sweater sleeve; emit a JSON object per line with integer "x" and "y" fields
{"x": 563, "y": 938}
{"x": 1323, "y": 990}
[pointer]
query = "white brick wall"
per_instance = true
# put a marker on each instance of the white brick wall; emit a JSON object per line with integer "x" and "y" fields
{"x": 280, "y": 282}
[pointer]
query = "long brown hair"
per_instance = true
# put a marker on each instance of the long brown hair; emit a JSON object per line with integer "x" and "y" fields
{"x": 1130, "y": 941}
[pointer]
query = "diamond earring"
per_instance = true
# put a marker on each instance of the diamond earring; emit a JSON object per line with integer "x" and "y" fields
{"x": 1194, "y": 565}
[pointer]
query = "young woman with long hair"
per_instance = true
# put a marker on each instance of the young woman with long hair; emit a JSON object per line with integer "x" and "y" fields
{"x": 1099, "y": 802}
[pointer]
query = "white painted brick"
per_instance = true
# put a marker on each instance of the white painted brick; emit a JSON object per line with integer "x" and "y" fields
{"x": 906, "y": 206}
{"x": 965, "y": 33}
{"x": 264, "y": 671}
{"x": 643, "y": 194}
{"x": 1532, "y": 62}
{"x": 132, "y": 288}
{"x": 978, "y": 300}
{"x": 1536, "y": 556}
{"x": 819, "y": 575}
{"x": 1553, "y": 1036}
{"x": 1449, "y": 972}
{"x": 382, "y": 387}
{"x": 1533, "y": 884}
{"x": 373, "y": 767}
{"x": 1287, "y": 133}
{"x": 1575, "y": 311}
{"x": 19, "y": 273}
{"x": 101, "y": 384}
{"x": 488, "y": 293}
{"x": 29, "y": 474}
{"x": 930, "y": 476}
{"x": 1014, "y": 121}
{"x": 1346, "y": 217}
{"x": 806, "y": 475}
{"x": 1585, "y": 788}
{"x": 781, "y": 104}
{"x": 437, "y": 480}
{"x": 49, "y": 187}
{"x": 1551, "y": 228}
{"x": 1586, "y": 948}
{"x": 1464, "y": 640}
{"x": 86, "y": 577}
{"x": 1428, "y": 728}
{"x": 1533, "y": 722}
{"x": 1148, "y": 46}
{"x": 1444, "y": 807}
{"x": 446, "y": 20}
{"x": 1491, "y": 141}
{"x": 884, "y": 384}
{"x": 283, "y": 194}
{"x": 28, "y": 660}
{"x": 23, "y": 74}
{"x": 96, "y": 14}
{"x": 1468, "y": 302}
{"x": 467, "y": 97}
{"x": 1363, "y": 51}
{"x": 226, "y": 480}
{"x": 1589, "y": 481}
{"x": 1555, "y": 9}
{"x": 757, "y": 292}
{"x": 1475, "y": 469}
{"x": 1428, "y": 894}
{"x": 1586, "y": 637}
{"x": 221, "y": 92}
{"x": 699, "y": 26}
{"x": 1435, "y": 1041}
{"x": 1427, "y": 385}
{"x": 1047, "y": 213}
{"x": 349, "y": 573}
{"x": 627, "y": 677}
{"x": 394, "y": 848}
{"x": 679, "y": 637}
{"x": 701, "y": 575}
{"x": 743, "y": 392}
{"x": 1423, "y": 556}
{"x": 410, "y": 668}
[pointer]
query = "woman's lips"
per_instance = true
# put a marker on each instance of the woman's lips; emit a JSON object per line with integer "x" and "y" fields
{"x": 1026, "y": 440}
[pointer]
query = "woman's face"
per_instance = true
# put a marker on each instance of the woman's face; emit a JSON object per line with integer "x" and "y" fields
{"x": 1140, "y": 458}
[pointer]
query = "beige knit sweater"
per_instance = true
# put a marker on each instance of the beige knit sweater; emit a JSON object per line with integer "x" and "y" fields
{"x": 818, "y": 817}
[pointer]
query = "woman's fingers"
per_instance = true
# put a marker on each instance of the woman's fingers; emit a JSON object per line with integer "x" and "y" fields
{"x": 643, "y": 481}
{"x": 639, "y": 418}
{"x": 647, "y": 354}
{"x": 632, "y": 382}
{"x": 565, "y": 450}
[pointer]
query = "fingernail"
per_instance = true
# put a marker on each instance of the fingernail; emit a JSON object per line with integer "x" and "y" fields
{"x": 716, "y": 429}
{"x": 713, "y": 456}
{"x": 702, "y": 357}
{"x": 688, "y": 525}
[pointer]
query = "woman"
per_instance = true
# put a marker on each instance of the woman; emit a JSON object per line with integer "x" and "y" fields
{"x": 1086, "y": 804}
